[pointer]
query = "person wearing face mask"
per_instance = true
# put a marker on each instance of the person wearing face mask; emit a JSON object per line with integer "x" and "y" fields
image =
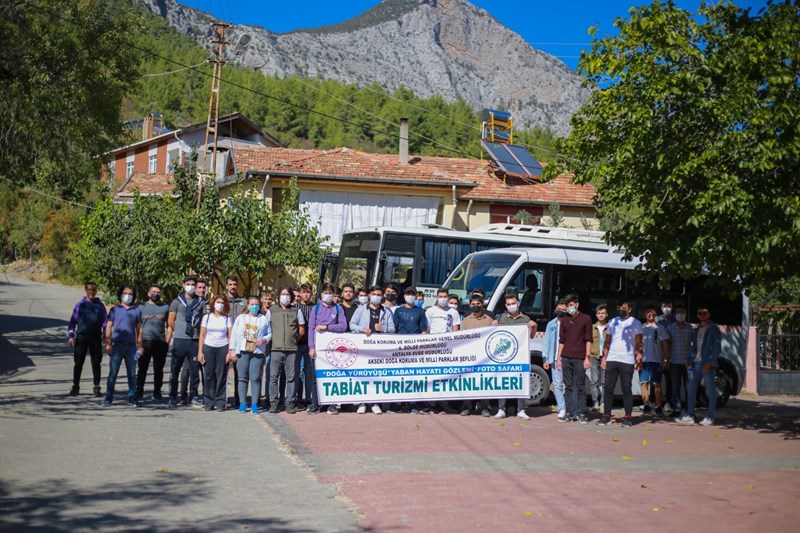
{"x": 409, "y": 319}
{"x": 665, "y": 319}
{"x": 476, "y": 319}
{"x": 596, "y": 373}
{"x": 304, "y": 303}
{"x": 349, "y": 302}
{"x": 194, "y": 372}
{"x": 267, "y": 301}
{"x": 622, "y": 354}
{"x": 213, "y": 352}
{"x": 680, "y": 333}
{"x": 371, "y": 319}
{"x": 183, "y": 320}
{"x": 655, "y": 340}
{"x": 123, "y": 341}
{"x": 574, "y": 357}
{"x": 155, "y": 342}
{"x": 420, "y": 300}
{"x": 288, "y": 326}
{"x": 324, "y": 316}
{"x": 363, "y": 296}
{"x": 390, "y": 296}
{"x": 441, "y": 319}
{"x": 702, "y": 362}
{"x": 482, "y": 294}
{"x": 250, "y": 336}
{"x": 549, "y": 352}
{"x": 513, "y": 316}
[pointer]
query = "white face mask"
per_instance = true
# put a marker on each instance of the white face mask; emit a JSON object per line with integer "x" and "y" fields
{"x": 410, "y": 299}
{"x": 571, "y": 309}
{"x": 219, "y": 306}
{"x": 512, "y": 308}
{"x": 327, "y": 298}
{"x": 190, "y": 289}
{"x": 375, "y": 299}
{"x": 127, "y": 298}
{"x": 363, "y": 300}
{"x": 680, "y": 317}
{"x": 666, "y": 310}
{"x": 285, "y": 299}
{"x": 442, "y": 302}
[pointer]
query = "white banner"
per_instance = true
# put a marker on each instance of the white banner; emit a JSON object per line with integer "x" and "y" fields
{"x": 492, "y": 362}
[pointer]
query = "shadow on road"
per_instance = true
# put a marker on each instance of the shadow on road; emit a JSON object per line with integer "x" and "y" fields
{"x": 33, "y": 337}
{"x": 761, "y": 416}
{"x": 60, "y": 505}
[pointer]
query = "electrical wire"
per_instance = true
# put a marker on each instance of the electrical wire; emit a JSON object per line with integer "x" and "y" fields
{"x": 42, "y": 193}
{"x": 172, "y": 71}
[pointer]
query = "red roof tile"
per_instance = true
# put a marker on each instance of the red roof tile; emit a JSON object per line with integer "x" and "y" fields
{"x": 158, "y": 183}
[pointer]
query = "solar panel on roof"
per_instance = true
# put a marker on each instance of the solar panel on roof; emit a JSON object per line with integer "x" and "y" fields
{"x": 513, "y": 159}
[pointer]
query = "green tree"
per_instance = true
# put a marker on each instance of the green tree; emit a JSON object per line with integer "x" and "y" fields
{"x": 693, "y": 143}
{"x": 65, "y": 68}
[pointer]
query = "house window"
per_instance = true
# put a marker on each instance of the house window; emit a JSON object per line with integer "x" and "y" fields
{"x": 173, "y": 157}
{"x": 129, "y": 169}
{"x": 151, "y": 164}
{"x": 516, "y": 214}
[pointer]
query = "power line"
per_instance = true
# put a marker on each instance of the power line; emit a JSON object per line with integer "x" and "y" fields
{"x": 42, "y": 193}
{"x": 172, "y": 71}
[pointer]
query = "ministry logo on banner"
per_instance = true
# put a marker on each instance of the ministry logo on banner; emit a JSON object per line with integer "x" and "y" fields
{"x": 502, "y": 346}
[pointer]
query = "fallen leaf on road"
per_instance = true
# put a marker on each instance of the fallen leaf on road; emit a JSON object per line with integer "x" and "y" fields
{"x": 528, "y": 513}
{"x": 644, "y": 442}
{"x": 416, "y": 426}
{"x": 502, "y": 424}
{"x": 196, "y": 478}
{"x": 245, "y": 526}
{"x": 670, "y": 441}
{"x": 162, "y": 469}
{"x": 752, "y": 487}
{"x": 793, "y": 469}
{"x": 615, "y": 440}
{"x": 598, "y": 431}
{"x": 655, "y": 509}
{"x": 649, "y": 429}
{"x": 643, "y": 487}
{"x": 718, "y": 436}
{"x": 626, "y": 458}
{"x": 730, "y": 448}
{"x": 517, "y": 444}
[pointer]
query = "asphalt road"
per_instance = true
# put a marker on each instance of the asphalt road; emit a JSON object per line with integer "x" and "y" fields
{"x": 69, "y": 464}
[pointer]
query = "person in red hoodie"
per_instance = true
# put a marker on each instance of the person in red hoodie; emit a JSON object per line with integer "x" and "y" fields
{"x": 574, "y": 357}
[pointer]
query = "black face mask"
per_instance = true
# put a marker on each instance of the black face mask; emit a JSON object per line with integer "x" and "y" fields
{"x": 623, "y": 313}
{"x": 475, "y": 308}
{"x": 156, "y": 297}
{"x": 560, "y": 314}
{"x": 390, "y": 297}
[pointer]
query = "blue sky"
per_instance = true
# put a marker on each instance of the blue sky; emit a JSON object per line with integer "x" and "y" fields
{"x": 557, "y": 27}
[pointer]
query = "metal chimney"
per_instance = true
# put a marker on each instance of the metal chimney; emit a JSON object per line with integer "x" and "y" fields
{"x": 404, "y": 140}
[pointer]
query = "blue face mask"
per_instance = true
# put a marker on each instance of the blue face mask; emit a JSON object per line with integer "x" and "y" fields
{"x": 254, "y": 308}
{"x": 418, "y": 303}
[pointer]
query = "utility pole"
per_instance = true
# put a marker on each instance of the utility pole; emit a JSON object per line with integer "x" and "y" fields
{"x": 218, "y": 41}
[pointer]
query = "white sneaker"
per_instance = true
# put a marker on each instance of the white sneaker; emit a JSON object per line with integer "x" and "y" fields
{"x": 667, "y": 409}
{"x": 562, "y": 413}
{"x": 332, "y": 410}
{"x": 362, "y": 408}
{"x": 523, "y": 415}
{"x": 706, "y": 422}
{"x": 686, "y": 419}
{"x": 500, "y": 414}
{"x": 376, "y": 409}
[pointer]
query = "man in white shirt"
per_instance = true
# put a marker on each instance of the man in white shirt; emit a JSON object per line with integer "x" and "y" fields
{"x": 622, "y": 354}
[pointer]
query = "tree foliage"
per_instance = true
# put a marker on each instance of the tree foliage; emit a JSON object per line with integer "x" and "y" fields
{"x": 693, "y": 144}
{"x": 162, "y": 238}
{"x": 65, "y": 68}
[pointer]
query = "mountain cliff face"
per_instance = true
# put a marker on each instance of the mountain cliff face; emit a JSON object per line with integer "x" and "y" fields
{"x": 445, "y": 47}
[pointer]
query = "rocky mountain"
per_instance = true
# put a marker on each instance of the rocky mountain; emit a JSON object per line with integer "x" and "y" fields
{"x": 446, "y": 47}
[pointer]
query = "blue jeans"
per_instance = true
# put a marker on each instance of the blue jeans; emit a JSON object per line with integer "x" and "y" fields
{"x": 250, "y": 366}
{"x": 695, "y": 375}
{"x": 558, "y": 386}
{"x": 120, "y": 351}
{"x": 302, "y": 366}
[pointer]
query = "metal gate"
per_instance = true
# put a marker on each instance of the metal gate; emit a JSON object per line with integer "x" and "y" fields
{"x": 779, "y": 364}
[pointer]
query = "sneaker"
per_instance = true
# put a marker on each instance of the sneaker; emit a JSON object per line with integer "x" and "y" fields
{"x": 184, "y": 401}
{"x": 332, "y": 410}
{"x": 312, "y": 410}
{"x": 172, "y": 402}
{"x": 74, "y": 391}
{"x": 377, "y": 409}
{"x": 604, "y": 421}
{"x": 243, "y": 408}
{"x": 626, "y": 422}
{"x": 290, "y": 409}
{"x": 96, "y": 391}
{"x": 596, "y": 407}
{"x": 134, "y": 402}
{"x": 500, "y": 413}
{"x": 583, "y": 419}
{"x": 562, "y": 413}
{"x": 706, "y": 422}
{"x": 562, "y": 417}
{"x": 106, "y": 403}
{"x": 647, "y": 410}
{"x": 464, "y": 412}
{"x": 659, "y": 411}
{"x": 156, "y": 395}
{"x": 198, "y": 402}
{"x": 274, "y": 409}
{"x": 415, "y": 411}
{"x": 426, "y": 410}
{"x": 441, "y": 412}
{"x": 391, "y": 411}
{"x": 523, "y": 415}
{"x": 486, "y": 413}
{"x": 686, "y": 419}
{"x": 362, "y": 408}
{"x": 668, "y": 410}
{"x": 208, "y": 408}
{"x": 254, "y": 409}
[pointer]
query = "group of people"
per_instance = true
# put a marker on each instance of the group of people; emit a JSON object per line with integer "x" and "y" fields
{"x": 273, "y": 335}
{"x": 664, "y": 346}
